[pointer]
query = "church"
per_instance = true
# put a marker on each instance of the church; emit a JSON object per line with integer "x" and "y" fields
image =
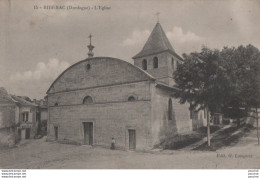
{"x": 101, "y": 98}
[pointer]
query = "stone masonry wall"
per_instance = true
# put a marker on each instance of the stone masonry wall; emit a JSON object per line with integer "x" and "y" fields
{"x": 164, "y": 72}
{"x": 7, "y": 115}
{"x": 115, "y": 93}
{"x": 109, "y": 120}
{"x": 111, "y": 113}
{"x": 161, "y": 124}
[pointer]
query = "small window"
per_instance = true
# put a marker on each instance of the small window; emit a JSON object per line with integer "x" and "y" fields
{"x": 144, "y": 63}
{"x": 88, "y": 66}
{"x": 155, "y": 62}
{"x": 131, "y": 98}
{"x": 56, "y": 104}
{"x": 178, "y": 64}
{"x": 25, "y": 116}
{"x": 87, "y": 100}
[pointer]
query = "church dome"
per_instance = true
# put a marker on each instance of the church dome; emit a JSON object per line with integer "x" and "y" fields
{"x": 98, "y": 72}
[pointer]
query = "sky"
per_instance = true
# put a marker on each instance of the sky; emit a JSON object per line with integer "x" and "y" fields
{"x": 36, "y": 45}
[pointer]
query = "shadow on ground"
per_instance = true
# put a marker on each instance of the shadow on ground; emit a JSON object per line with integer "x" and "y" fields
{"x": 227, "y": 137}
{"x": 176, "y": 141}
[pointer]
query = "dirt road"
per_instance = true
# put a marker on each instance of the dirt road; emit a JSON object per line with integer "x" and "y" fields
{"x": 38, "y": 154}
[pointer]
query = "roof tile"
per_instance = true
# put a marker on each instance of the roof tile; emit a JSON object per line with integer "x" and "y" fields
{"x": 157, "y": 42}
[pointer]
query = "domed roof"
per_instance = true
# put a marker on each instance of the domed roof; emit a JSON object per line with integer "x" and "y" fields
{"x": 98, "y": 72}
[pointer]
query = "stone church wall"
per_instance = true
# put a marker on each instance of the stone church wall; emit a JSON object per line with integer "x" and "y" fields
{"x": 161, "y": 125}
{"x": 114, "y": 93}
{"x": 164, "y": 72}
{"x": 161, "y": 71}
{"x": 110, "y": 82}
{"x": 111, "y": 113}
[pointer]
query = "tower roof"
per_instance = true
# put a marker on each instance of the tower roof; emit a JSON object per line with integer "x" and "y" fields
{"x": 157, "y": 42}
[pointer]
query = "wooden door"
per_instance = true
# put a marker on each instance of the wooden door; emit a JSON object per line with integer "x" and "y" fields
{"x": 88, "y": 133}
{"x": 27, "y": 133}
{"x": 38, "y": 123}
{"x": 132, "y": 139}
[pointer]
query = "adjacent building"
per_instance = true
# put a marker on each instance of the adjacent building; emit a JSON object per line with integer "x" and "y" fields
{"x": 26, "y": 117}
{"x": 8, "y": 118}
{"x": 19, "y": 118}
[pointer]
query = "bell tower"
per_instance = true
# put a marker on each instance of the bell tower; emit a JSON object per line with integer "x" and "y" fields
{"x": 158, "y": 57}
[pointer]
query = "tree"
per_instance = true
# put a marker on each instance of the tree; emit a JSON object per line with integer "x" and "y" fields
{"x": 202, "y": 81}
{"x": 249, "y": 87}
{"x": 233, "y": 62}
{"x": 217, "y": 80}
{"x": 242, "y": 65}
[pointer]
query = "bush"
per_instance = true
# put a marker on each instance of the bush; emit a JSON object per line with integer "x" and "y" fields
{"x": 203, "y": 130}
{"x": 170, "y": 139}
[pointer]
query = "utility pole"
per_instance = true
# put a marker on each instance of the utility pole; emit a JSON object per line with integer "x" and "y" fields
{"x": 208, "y": 128}
{"x": 257, "y": 129}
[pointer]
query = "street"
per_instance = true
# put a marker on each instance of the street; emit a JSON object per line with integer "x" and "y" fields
{"x": 39, "y": 154}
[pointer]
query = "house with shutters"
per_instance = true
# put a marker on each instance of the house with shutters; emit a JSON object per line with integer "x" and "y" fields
{"x": 100, "y": 98}
{"x": 17, "y": 118}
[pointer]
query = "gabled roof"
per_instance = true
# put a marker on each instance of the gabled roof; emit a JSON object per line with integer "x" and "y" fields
{"x": 5, "y": 98}
{"x": 157, "y": 42}
{"x": 22, "y": 101}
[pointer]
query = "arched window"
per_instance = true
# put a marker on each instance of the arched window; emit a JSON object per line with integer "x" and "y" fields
{"x": 173, "y": 64}
{"x": 87, "y": 100}
{"x": 56, "y": 104}
{"x": 170, "y": 117}
{"x": 155, "y": 62}
{"x": 144, "y": 64}
{"x": 131, "y": 98}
